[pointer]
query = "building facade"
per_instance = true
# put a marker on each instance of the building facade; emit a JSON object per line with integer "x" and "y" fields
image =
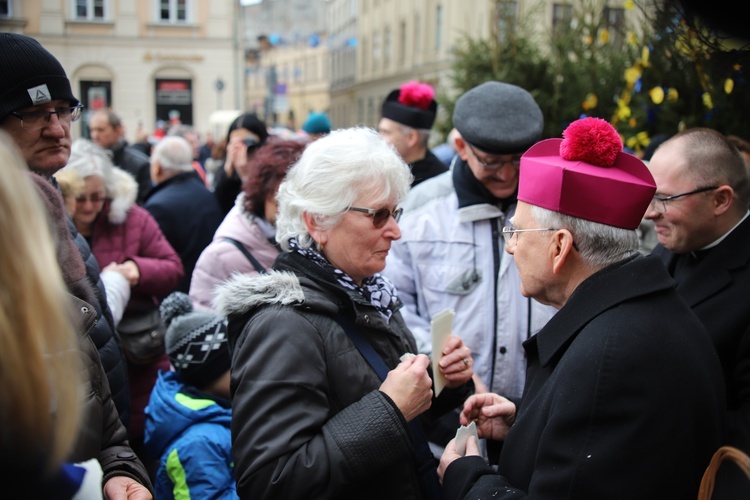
{"x": 287, "y": 67}
{"x": 149, "y": 61}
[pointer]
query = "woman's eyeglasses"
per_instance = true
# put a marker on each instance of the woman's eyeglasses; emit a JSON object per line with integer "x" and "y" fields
{"x": 379, "y": 215}
{"x": 95, "y": 198}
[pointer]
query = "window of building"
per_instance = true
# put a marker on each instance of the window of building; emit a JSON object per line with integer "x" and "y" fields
{"x": 375, "y": 51}
{"x": 402, "y": 43}
{"x": 439, "y": 28}
{"x": 613, "y": 19}
{"x": 506, "y": 14}
{"x": 174, "y": 100}
{"x": 5, "y": 8}
{"x": 365, "y": 55}
{"x": 89, "y": 10}
{"x": 417, "y": 38}
{"x": 387, "y": 48}
{"x": 173, "y": 11}
{"x": 562, "y": 14}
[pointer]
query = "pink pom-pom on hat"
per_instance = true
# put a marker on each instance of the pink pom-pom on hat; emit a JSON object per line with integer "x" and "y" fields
{"x": 417, "y": 94}
{"x": 413, "y": 104}
{"x": 587, "y": 175}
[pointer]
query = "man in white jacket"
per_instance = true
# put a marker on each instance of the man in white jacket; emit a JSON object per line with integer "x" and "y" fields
{"x": 451, "y": 254}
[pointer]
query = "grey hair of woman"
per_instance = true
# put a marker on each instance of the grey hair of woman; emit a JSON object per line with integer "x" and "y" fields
{"x": 332, "y": 174}
{"x": 88, "y": 159}
{"x": 599, "y": 245}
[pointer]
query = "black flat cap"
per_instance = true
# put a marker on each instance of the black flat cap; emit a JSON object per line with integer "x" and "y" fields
{"x": 498, "y": 118}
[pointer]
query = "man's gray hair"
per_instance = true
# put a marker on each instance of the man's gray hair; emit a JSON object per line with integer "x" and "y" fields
{"x": 600, "y": 245}
{"x": 174, "y": 153}
{"x": 332, "y": 174}
{"x": 422, "y": 133}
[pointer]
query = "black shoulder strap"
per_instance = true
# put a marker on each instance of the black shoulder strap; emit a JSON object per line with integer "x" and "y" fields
{"x": 425, "y": 460}
{"x": 246, "y": 253}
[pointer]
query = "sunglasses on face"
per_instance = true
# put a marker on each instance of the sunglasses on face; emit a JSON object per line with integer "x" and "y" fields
{"x": 380, "y": 215}
{"x": 93, "y": 198}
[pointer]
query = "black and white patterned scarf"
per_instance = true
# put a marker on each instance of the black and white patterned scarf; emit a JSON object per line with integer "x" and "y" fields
{"x": 376, "y": 289}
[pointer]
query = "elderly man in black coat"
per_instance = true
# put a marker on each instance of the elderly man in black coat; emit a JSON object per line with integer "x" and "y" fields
{"x": 187, "y": 212}
{"x": 624, "y": 395}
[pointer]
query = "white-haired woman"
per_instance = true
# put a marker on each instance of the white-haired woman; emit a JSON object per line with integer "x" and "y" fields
{"x": 125, "y": 236}
{"x": 313, "y": 415}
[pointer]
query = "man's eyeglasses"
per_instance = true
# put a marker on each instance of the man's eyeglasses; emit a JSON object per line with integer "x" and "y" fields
{"x": 39, "y": 119}
{"x": 379, "y": 215}
{"x": 495, "y": 164}
{"x": 93, "y": 198}
{"x": 510, "y": 234}
{"x": 659, "y": 203}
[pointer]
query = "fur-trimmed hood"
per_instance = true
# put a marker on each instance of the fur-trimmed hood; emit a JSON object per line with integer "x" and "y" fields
{"x": 122, "y": 188}
{"x": 241, "y": 293}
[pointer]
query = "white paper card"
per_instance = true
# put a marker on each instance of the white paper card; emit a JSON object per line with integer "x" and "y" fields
{"x": 462, "y": 434}
{"x": 441, "y": 328}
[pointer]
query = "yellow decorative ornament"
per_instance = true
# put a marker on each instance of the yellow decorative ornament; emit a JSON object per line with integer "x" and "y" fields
{"x": 657, "y": 95}
{"x": 623, "y": 113}
{"x": 672, "y": 95}
{"x": 591, "y": 101}
{"x": 638, "y": 141}
{"x": 603, "y": 36}
{"x": 645, "y": 53}
{"x": 707, "y": 101}
{"x": 632, "y": 75}
{"x": 728, "y": 85}
{"x": 632, "y": 40}
{"x": 629, "y": 4}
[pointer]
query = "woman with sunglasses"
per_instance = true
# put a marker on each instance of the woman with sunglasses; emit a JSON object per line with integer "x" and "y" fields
{"x": 327, "y": 400}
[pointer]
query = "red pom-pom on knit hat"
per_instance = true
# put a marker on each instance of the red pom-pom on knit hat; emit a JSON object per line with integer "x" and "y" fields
{"x": 592, "y": 140}
{"x": 417, "y": 94}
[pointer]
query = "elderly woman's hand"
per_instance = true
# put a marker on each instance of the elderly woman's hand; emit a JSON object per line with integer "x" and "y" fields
{"x": 450, "y": 454}
{"x": 455, "y": 362}
{"x": 409, "y": 386}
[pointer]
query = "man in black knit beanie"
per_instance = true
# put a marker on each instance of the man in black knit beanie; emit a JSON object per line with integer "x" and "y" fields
{"x": 37, "y": 107}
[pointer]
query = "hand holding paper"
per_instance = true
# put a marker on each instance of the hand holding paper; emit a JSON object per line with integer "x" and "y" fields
{"x": 462, "y": 434}
{"x": 441, "y": 327}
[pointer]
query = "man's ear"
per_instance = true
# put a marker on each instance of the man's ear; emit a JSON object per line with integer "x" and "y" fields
{"x": 412, "y": 138}
{"x": 562, "y": 245}
{"x": 461, "y": 148}
{"x": 723, "y": 199}
{"x": 156, "y": 172}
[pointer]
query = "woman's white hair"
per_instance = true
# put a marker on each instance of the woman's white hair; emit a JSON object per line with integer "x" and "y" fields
{"x": 332, "y": 174}
{"x": 88, "y": 159}
{"x": 600, "y": 245}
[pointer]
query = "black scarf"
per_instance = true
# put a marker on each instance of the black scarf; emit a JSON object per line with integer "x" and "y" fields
{"x": 376, "y": 289}
{"x": 472, "y": 192}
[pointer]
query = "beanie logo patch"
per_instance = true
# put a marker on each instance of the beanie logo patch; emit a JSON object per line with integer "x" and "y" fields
{"x": 39, "y": 94}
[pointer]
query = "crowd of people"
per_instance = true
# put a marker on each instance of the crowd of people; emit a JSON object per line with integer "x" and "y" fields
{"x": 257, "y": 316}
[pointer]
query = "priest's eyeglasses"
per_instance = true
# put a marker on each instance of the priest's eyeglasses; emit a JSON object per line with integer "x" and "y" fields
{"x": 659, "y": 203}
{"x": 510, "y": 234}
